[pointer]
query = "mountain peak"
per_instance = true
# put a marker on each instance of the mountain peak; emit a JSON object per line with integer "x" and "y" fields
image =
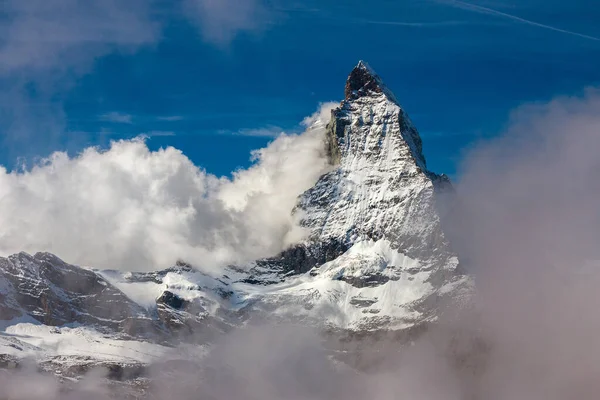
{"x": 379, "y": 168}
{"x": 370, "y": 103}
{"x": 365, "y": 66}
{"x": 364, "y": 81}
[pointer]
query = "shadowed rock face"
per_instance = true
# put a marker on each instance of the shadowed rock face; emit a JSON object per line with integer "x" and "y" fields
{"x": 171, "y": 300}
{"x": 59, "y": 294}
{"x": 56, "y": 293}
{"x": 304, "y": 257}
{"x": 362, "y": 82}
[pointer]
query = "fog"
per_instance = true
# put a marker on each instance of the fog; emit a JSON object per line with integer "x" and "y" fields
{"x": 529, "y": 227}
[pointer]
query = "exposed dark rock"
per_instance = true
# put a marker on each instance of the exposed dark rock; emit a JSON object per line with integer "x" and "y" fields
{"x": 362, "y": 303}
{"x": 9, "y": 362}
{"x": 372, "y": 280}
{"x": 171, "y": 300}
{"x": 334, "y": 132}
{"x": 304, "y": 257}
{"x": 56, "y": 293}
{"x": 77, "y": 367}
{"x": 362, "y": 81}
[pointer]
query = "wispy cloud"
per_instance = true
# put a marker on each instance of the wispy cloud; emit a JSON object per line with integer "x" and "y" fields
{"x": 117, "y": 117}
{"x": 45, "y": 46}
{"x": 491, "y": 11}
{"x": 170, "y": 118}
{"x": 46, "y": 35}
{"x": 414, "y": 24}
{"x": 311, "y": 122}
{"x": 324, "y": 14}
{"x": 221, "y": 21}
{"x": 267, "y": 131}
{"x": 157, "y": 133}
{"x": 408, "y": 24}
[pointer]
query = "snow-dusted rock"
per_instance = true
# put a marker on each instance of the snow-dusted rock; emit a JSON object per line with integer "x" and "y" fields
{"x": 373, "y": 214}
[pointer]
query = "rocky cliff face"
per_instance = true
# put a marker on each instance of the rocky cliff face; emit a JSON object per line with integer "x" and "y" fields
{"x": 55, "y": 293}
{"x": 376, "y": 257}
{"x": 381, "y": 188}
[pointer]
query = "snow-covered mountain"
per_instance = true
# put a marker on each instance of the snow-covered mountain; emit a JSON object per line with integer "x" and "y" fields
{"x": 376, "y": 258}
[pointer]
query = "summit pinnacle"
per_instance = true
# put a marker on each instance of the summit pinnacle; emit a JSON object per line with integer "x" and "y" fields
{"x": 364, "y": 81}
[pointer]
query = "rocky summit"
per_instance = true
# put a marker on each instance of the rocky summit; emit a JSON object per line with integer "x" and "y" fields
{"x": 375, "y": 259}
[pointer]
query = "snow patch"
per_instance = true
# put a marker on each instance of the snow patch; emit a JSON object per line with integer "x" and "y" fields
{"x": 41, "y": 341}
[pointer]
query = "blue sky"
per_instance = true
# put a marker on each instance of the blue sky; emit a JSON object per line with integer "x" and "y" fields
{"x": 218, "y": 79}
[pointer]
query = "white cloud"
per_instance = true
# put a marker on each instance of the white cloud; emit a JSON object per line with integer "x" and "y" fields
{"x": 268, "y": 131}
{"x": 47, "y": 35}
{"x": 45, "y": 46}
{"x": 220, "y": 21}
{"x": 491, "y": 11}
{"x": 323, "y": 115}
{"x": 117, "y": 117}
{"x": 131, "y": 208}
{"x": 170, "y": 118}
{"x": 157, "y": 133}
{"x": 529, "y": 227}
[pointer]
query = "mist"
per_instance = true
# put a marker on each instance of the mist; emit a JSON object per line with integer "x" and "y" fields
{"x": 529, "y": 227}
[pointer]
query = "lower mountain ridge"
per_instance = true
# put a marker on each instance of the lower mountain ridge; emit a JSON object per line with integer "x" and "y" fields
{"x": 376, "y": 259}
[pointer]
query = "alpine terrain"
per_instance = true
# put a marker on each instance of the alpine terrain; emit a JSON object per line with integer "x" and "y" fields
{"x": 376, "y": 260}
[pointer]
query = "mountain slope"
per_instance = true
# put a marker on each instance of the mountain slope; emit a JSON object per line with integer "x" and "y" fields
{"x": 376, "y": 257}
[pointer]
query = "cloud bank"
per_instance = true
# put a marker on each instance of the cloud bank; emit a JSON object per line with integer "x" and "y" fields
{"x": 130, "y": 208}
{"x": 529, "y": 227}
